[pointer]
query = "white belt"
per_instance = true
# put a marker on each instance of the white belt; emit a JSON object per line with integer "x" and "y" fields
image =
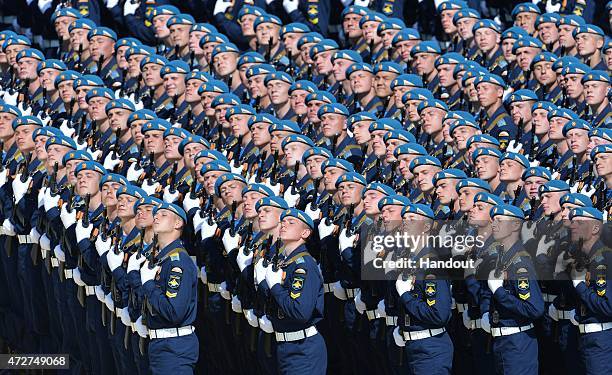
{"x": 166, "y": 333}
{"x": 43, "y": 253}
{"x": 7, "y": 19}
{"x": 372, "y": 314}
{"x": 118, "y": 311}
{"x": 548, "y": 297}
{"x": 391, "y": 320}
{"x": 477, "y": 323}
{"x": 297, "y": 335}
{"x": 594, "y": 327}
{"x": 54, "y": 262}
{"x": 90, "y": 290}
{"x": 68, "y": 273}
{"x": 424, "y": 334}
{"x": 214, "y": 287}
{"x": 461, "y": 307}
{"x": 133, "y": 326}
{"x": 565, "y": 314}
{"x": 350, "y": 293}
{"x": 25, "y": 238}
{"x": 507, "y": 331}
{"x": 328, "y": 287}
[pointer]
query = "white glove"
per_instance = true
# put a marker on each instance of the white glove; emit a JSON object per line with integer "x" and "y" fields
{"x": 135, "y": 262}
{"x": 102, "y": 246}
{"x": 236, "y": 170}
{"x": 99, "y": 293}
{"x": 273, "y": 277}
{"x": 82, "y": 232}
{"x": 221, "y": 6}
{"x": 34, "y": 235}
{"x": 109, "y": 162}
{"x": 114, "y": 260}
{"x": 59, "y": 254}
{"x": 82, "y": 146}
{"x": 573, "y": 317}
{"x": 125, "y": 315}
{"x": 528, "y": 230}
{"x": 3, "y": 177}
{"x": 514, "y": 146}
{"x": 76, "y": 276}
{"x": 11, "y": 99}
{"x": 314, "y": 214}
{"x": 346, "y": 241}
{"x": 111, "y": 3}
{"x": 45, "y": 121}
{"x": 236, "y": 305}
{"x": 494, "y": 283}
{"x": 147, "y": 274}
{"x": 244, "y": 261}
{"x": 8, "y": 228}
{"x": 574, "y": 187}
{"x": 170, "y": 197}
{"x": 324, "y": 229}
{"x": 553, "y": 312}
{"x": 562, "y": 263}
{"x": 339, "y": 291}
{"x": 203, "y": 276}
{"x": 25, "y": 110}
{"x": 198, "y": 221}
{"x": 230, "y": 242}
{"x": 66, "y": 130}
{"x": 484, "y": 322}
{"x": 469, "y": 271}
{"x": 290, "y": 5}
{"x": 578, "y": 277}
{"x": 399, "y": 340}
{"x": 466, "y": 319}
{"x": 543, "y": 245}
{"x": 588, "y": 190}
{"x": 44, "y": 5}
{"x": 224, "y": 292}
{"x": 108, "y": 301}
{"x": 133, "y": 172}
{"x": 251, "y": 318}
{"x": 20, "y": 188}
{"x": 265, "y": 324}
{"x": 129, "y": 8}
{"x": 360, "y": 306}
{"x": 260, "y": 272}
{"x": 95, "y": 154}
{"x": 41, "y": 197}
{"x": 291, "y": 198}
{"x": 45, "y": 243}
{"x": 51, "y": 202}
{"x": 68, "y": 218}
{"x": 207, "y": 231}
{"x": 381, "y": 309}
{"x": 149, "y": 188}
{"x": 275, "y": 188}
{"x": 403, "y": 286}
{"x": 189, "y": 203}
{"x": 534, "y": 163}
{"x": 446, "y": 231}
{"x": 140, "y": 328}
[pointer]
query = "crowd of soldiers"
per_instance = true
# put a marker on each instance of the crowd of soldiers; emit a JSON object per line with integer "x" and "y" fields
{"x": 201, "y": 195}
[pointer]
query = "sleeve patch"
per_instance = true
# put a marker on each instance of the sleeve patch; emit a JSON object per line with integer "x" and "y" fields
{"x": 174, "y": 281}
{"x": 523, "y": 284}
{"x": 170, "y": 294}
{"x": 430, "y": 289}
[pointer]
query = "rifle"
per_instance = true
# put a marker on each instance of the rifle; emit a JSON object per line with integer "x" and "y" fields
{"x": 574, "y": 171}
{"x": 219, "y": 140}
{"x": 210, "y": 209}
{"x": 532, "y": 207}
{"x": 78, "y": 66}
{"x": 123, "y": 80}
{"x": 43, "y": 111}
{"x": 192, "y": 189}
{"x": 104, "y": 224}
{"x": 532, "y": 144}
{"x": 177, "y": 50}
{"x": 189, "y": 115}
{"x": 434, "y": 198}
{"x": 340, "y": 94}
{"x": 581, "y": 260}
{"x": 334, "y": 139}
{"x": 232, "y": 227}
{"x": 152, "y": 256}
{"x": 309, "y": 72}
{"x": 290, "y": 69}
{"x": 389, "y": 177}
{"x": 349, "y": 219}
{"x": 174, "y": 116}
{"x": 70, "y": 198}
{"x": 275, "y": 167}
{"x": 86, "y": 210}
{"x": 150, "y": 169}
{"x": 99, "y": 66}
{"x": 245, "y": 240}
{"x": 519, "y": 132}
{"x": 24, "y": 92}
{"x": 268, "y": 55}
{"x": 81, "y": 129}
{"x": 517, "y": 193}
{"x": 137, "y": 95}
{"x": 113, "y": 285}
{"x": 70, "y": 112}
{"x": 275, "y": 257}
{"x": 601, "y": 196}
{"x": 237, "y": 152}
{"x": 499, "y": 262}
{"x": 116, "y": 145}
{"x": 371, "y": 55}
{"x": 294, "y": 181}
{"x": 262, "y": 160}
{"x": 172, "y": 179}
{"x": 191, "y": 59}
{"x": 52, "y": 182}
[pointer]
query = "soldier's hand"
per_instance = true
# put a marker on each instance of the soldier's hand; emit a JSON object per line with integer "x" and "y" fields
{"x": 20, "y": 188}
{"x": 230, "y": 242}
{"x": 553, "y": 312}
{"x": 207, "y": 231}
{"x": 203, "y": 276}
{"x": 243, "y": 260}
{"x": 399, "y": 340}
{"x": 467, "y": 322}
{"x": 114, "y": 260}
{"x": 339, "y": 291}
{"x": 59, "y": 253}
{"x": 402, "y": 286}
{"x": 265, "y": 324}
{"x": 34, "y": 235}
{"x": 45, "y": 243}
{"x": 190, "y": 203}
{"x": 360, "y": 306}
{"x": 149, "y": 188}
{"x": 108, "y": 301}
{"x": 111, "y": 161}
{"x": 324, "y": 229}
{"x": 573, "y": 319}
{"x": 140, "y": 328}
{"x": 102, "y": 246}
{"x": 224, "y": 292}
{"x": 544, "y": 246}
{"x": 76, "y": 276}
{"x": 494, "y": 282}
{"x": 66, "y": 130}
{"x": 251, "y": 318}
{"x": 346, "y": 241}
{"x": 8, "y": 229}
{"x": 485, "y": 323}
{"x": 290, "y": 5}
{"x": 135, "y": 262}
{"x": 198, "y": 221}
{"x": 147, "y": 274}
{"x": 134, "y": 172}
{"x": 99, "y": 293}
{"x": 221, "y": 6}
{"x": 291, "y": 198}
{"x": 381, "y": 309}
{"x": 11, "y": 99}
{"x": 129, "y": 8}
{"x": 3, "y": 177}
{"x": 514, "y": 146}
{"x": 236, "y": 305}
{"x": 68, "y": 218}
{"x": 111, "y": 3}
{"x": 528, "y": 230}
{"x": 588, "y": 190}
{"x": 578, "y": 276}
{"x": 260, "y": 272}
{"x": 273, "y": 277}
{"x": 314, "y": 214}
{"x": 170, "y": 197}
{"x": 51, "y": 201}
{"x": 82, "y": 232}
{"x": 125, "y": 317}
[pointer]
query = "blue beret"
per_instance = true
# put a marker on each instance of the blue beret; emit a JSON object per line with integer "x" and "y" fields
{"x": 514, "y": 32}
{"x": 199, "y": 75}
{"x": 371, "y": 16}
{"x": 180, "y": 19}
{"x": 250, "y": 58}
{"x": 259, "y": 69}
{"x": 347, "y": 54}
{"x": 393, "y": 200}
{"x": 485, "y": 151}
{"x": 250, "y": 9}
{"x": 473, "y": 183}
{"x": 141, "y": 114}
{"x": 489, "y": 198}
{"x": 451, "y": 173}
{"x": 139, "y": 50}
{"x": 381, "y": 188}
{"x": 419, "y": 209}
{"x": 7, "y": 108}
{"x": 213, "y": 86}
{"x": 213, "y": 38}
{"x": 163, "y": 10}
{"x": 76, "y": 155}
{"x": 521, "y": 96}
{"x": 215, "y": 166}
{"x": 299, "y": 138}
{"x": 66, "y": 75}
{"x": 466, "y": 13}
{"x": 487, "y": 24}
{"x": 358, "y": 67}
{"x": 240, "y": 109}
{"x": 60, "y": 140}
{"x": 147, "y": 201}
{"x": 45, "y": 131}
{"x": 127, "y": 42}
{"x": 547, "y": 18}
{"x": 571, "y": 19}
{"x": 204, "y": 27}
{"x": 355, "y": 9}
{"x": 424, "y": 160}
{"x": 303, "y": 85}
{"x": 336, "y": 108}
{"x": 482, "y": 138}
{"x": 525, "y": 8}
{"x": 426, "y": 47}
{"x": 88, "y": 80}
{"x": 113, "y": 178}
{"x": 89, "y": 166}
{"x": 526, "y": 41}
{"x": 451, "y": 5}
{"x": 536, "y": 172}
{"x": 519, "y": 158}
{"x": 285, "y": 125}
{"x": 588, "y": 212}
{"x": 409, "y": 149}
{"x": 402, "y": 135}
{"x": 31, "y": 53}
{"x": 406, "y": 34}
{"x": 322, "y": 96}
{"x": 155, "y": 124}
{"x": 409, "y": 80}
{"x": 309, "y": 38}
{"x": 301, "y": 215}
{"x": 267, "y": 18}
{"x": 390, "y": 23}
{"x": 544, "y": 57}
{"x": 449, "y": 58}
{"x": 337, "y": 163}
{"x": 82, "y": 23}
{"x": 132, "y": 190}
{"x": 576, "y": 199}
{"x": 226, "y": 177}
{"x": 601, "y": 149}
{"x": 278, "y": 76}
{"x": 603, "y": 133}
{"x": 417, "y": 94}
{"x": 153, "y": 59}
{"x": 294, "y": 27}
{"x": 178, "y": 211}
{"x": 490, "y": 78}
{"x": 507, "y": 210}
{"x": 225, "y": 99}
{"x": 547, "y": 106}
{"x": 316, "y": 151}
{"x": 588, "y": 29}
{"x": 387, "y": 124}
{"x": 258, "y": 188}
{"x": 261, "y": 118}
{"x": 322, "y": 46}
{"x": 102, "y": 31}
{"x": 224, "y": 48}
{"x": 462, "y": 122}
{"x": 576, "y": 124}
{"x": 192, "y": 139}
{"x": 596, "y": 75}
{"x": 121, "y": 104}
{"x": 65, "y": 12}
{"x": 99, "y": 92}
{"x": 435, "y": 103}
{"x": 272, "y": 201}
{"x": 562, "y": 112}
{"x": 26, "y": 120}
{"x": 554, "y": 186}
{"x": 351, "y": 177}
{"x": 51, "y": 64}
{"x": 388, "y": 66}
{"x": 175, "y": 66}
{"x": 177, "y": 132}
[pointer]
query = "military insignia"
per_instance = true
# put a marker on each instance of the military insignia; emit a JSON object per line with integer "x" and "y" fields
{"x": 170, "y": 294}
{"x": 601, "y": 284}
{"x": 176, "y": 269}
{"x": 296, "y": 286}
{"x": 431, "y": 302}
{"x": 430, "y": 289}
{"x": 174, "y": 281}
{"x": 387, "y": 9}
{"x": 523, "y": 287}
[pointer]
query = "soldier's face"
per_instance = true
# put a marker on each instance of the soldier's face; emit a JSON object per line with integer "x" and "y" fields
{"x": 503, "y": 227}
{"x": 595, "y": 92}
{"x": 246, "y": 24}
{"x": 323, "y": 62}
{"x": 70, "y": 167}
{"x": 312, "y": 110}
{"x": 96, "y": 108}
{"x": 180, "y": 35}
{"x": 387, "y": 37}
{"x": 398, "y": 93}
{"x": 154, "y": 142}
{"x": 293, "y": 153}
{"x": 313, "y": 166}
{"x": 404, "y": 166}
{"x": 248, "y": 204}
{"x": 526, "y": 21}
{"x": 220, "y": 115}
{"x": 6, "y": 125}
{"x": 486, "y": 39}
{"x": 370, "y": 202}
{"x": 208, "y": 48}
{"x": 405, "y": 47}
{"x": 118, "y": 118}
{"x": 587, "y": 43}
{"x": 361, "y": 131}
{"x": 144, "y": 216}
{"x": 330, "y": 176}
{"x": 424, "y": 63}
{"x": 190, "y": 151}
{"x": 462, "y": 134}
{"x": 290, "y": 40}
{"x": 269, "y": 218}
{"x": 412, "y": 112}
{"x": 207, "y": 99}
{"x": 391, "y": 145}
{"x": 174, "y": 84}
{"x": 101, "y": 46}
{"x": 525, "y": 56}
{"x": 382, "y": 83}
{"x": 66, "y": 91}
{"x": 333, "y": 124}
{"x": 565, "y": 36}
{"x": 487, "y": 167}
{"x": 544, "y": 73}
{"x": 339, "y": 69}
{"x": 257, "y": 86}
{"x": 267, "y": 32}
{"x": 134, "y": 64}
{"x": 278, "y": 92}
{"x": 582, "y": 228}
{"x": 424, "y": 177}
{"x": 350, "y": 193}
{"x": 191, "y": 90}
{"x": 361, "y": 82}
{"x": 446, "y": 18}
{"x": 55, "y": 154}
{"x": 550, "y": 202}
{"x": 305, "y": 53}
{"x": 578, "y": 140}
{"x": 603, "y": 164}
{"x": 159, "y": 26}
{"x": 61, "y": 27}
{"x": 194, "y": 42}
{"x": 298, "y": 101}
{"x": 488, "y": 93}
{"x": 78, "y": 38}
{"x": 378, "y": 142}
{"x": 479, "y": 214}
{"x": 231, "y": 192}
{"x": 556, "y": 128}
{"x": 109, "y": 193}
{"x": 370, "y": 32}
{"x": 121, "y": 60}
{"x": 171, "y": 144}
{"x": 521, "y": 111}
{"x": 151, "y": 75}
{"x": 540, "y": 121}
{"x": 350, "y": 25}
{"x": 510, "y": 170}
{"x": 39, "y": 147}
{"x": 27, "y": 68}
{"x": 47, "y": 78}
{"x": 135, "y": 127}
{"x": 88, "y": 182}
{"x": 565, "y": 212}
{"x": 445, "y": 74}
{"x": 239, "y": 124}
{"x": 548, "y": 32}
{"x": 432, "y": 119}
{"x": 466, "y": 198}
{"x": 166, "y": 221}
{"x": 209, "y": 181}
{"x": 125, "y": 206}
{"x": 464, "y": 27}
{"x": 276, "y": 139}
{"x": 391, "y": 216}
{"x": 532, "y": 186}
{"x": 608, "y": 58}
{"x": 225, "y": 63}
{"x": 260, "y": 134}
{"x": 23, "y": 136}
{"x": 445, "y": 189}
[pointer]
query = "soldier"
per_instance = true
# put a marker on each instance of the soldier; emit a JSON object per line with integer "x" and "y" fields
{"x": 596, "y": 84}
{"x": 589, "y": 42}
{"x": 180, "y": 26}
